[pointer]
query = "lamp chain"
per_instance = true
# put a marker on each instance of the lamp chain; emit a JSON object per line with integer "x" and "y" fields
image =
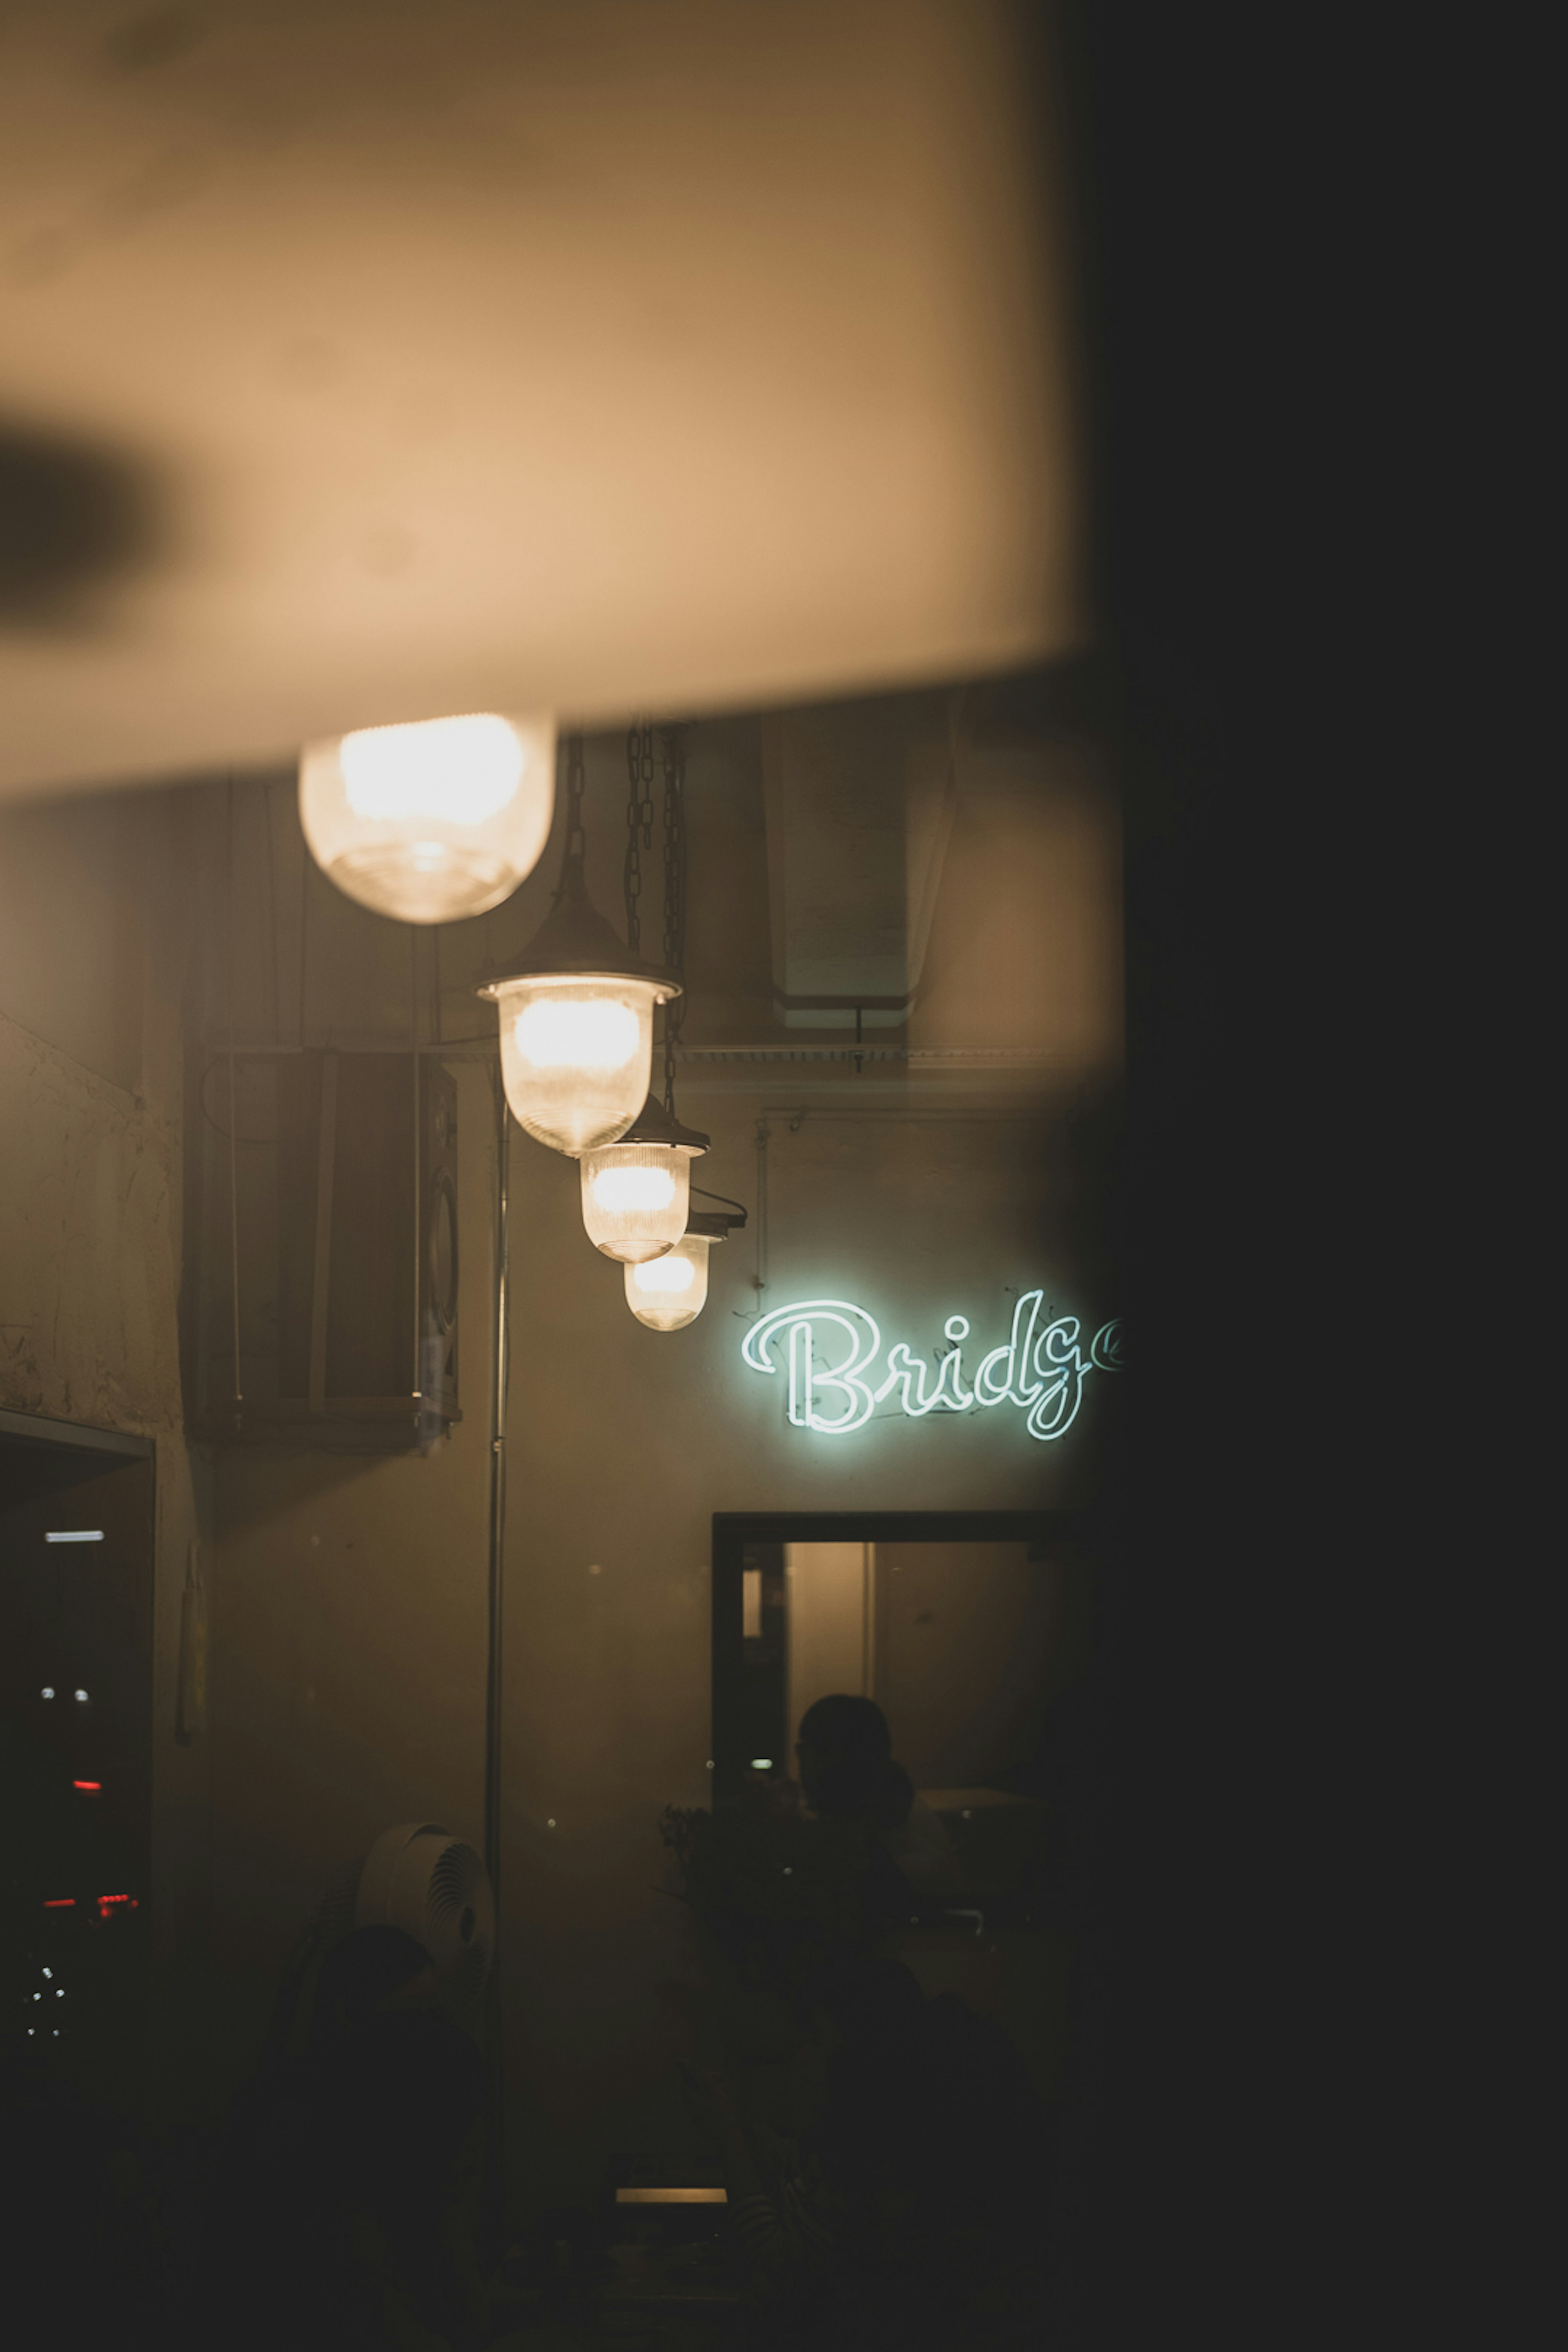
{"x": 639, "y": 824}
{"x": 672, "y": 744}
{"x": 577, "y": 839}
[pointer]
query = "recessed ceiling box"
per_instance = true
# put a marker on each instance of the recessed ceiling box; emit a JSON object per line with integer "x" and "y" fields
{"x": 860, "y": 801}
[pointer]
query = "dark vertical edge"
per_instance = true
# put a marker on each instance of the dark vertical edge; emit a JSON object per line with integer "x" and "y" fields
{"x": 729, "y": 1640}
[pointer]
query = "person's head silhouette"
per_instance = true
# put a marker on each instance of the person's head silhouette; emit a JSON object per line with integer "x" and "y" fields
{"x": 845, "y": 1754}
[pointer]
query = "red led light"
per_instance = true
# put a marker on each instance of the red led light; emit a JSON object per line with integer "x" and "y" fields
{"x": 106, "y": 1904}
{"x": 94, "y": 1785}
{"x": 60, "y": 1903}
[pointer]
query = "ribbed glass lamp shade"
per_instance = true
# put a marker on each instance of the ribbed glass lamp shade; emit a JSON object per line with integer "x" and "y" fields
{"x": 576, "y": 1055}
{"x": 635, "y": 1198}
{"x": 666, "y": 1293}
{"x": 431, "y": 822}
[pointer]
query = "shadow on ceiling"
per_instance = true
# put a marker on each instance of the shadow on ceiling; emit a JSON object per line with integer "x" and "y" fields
{"x": 77, "y": 521}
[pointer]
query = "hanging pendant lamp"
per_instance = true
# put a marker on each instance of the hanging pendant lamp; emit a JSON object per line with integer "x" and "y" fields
{"x": 637, "y": 1192}
{"x": 431, "y": 822}
{"x": 669, "y": 1292}
{"x": 576, "y": 1013}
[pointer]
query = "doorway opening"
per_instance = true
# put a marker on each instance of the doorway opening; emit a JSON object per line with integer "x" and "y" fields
{"x": 971, "y": 1631}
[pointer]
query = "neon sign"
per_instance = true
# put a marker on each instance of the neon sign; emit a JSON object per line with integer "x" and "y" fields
{"x": 829, "y": 1349}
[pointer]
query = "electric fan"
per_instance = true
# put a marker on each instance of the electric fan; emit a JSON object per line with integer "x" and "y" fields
{"x": 418, "y": 1877}
{"x": 421, "y": 1878}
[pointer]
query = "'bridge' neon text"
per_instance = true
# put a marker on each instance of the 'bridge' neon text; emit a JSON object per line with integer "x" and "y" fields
{"x": 829, "y": 1349}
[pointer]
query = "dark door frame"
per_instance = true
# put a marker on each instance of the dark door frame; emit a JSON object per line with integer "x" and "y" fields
{"x": 733, "y": 1531}
{"x": 33, "y": 1429}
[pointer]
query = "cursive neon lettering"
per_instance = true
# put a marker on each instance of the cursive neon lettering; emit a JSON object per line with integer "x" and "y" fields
{"x": 827, "y": 1346}
{"x": 907, "y": 1373}
{"x": 1061, "y": 1369}
{"x": 1014, "y": 1355}
{"x": 807, "y": 1376}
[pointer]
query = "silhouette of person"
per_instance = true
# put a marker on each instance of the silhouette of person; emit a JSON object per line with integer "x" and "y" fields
{"x": 844, "y": 1751}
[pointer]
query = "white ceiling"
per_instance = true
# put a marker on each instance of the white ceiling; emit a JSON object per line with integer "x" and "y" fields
{"x": 364, "y": 360}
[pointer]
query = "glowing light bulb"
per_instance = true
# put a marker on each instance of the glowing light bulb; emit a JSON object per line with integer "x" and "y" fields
{"x": 590, "y": 1033}
{"x": 621, "y": 1190}
{"x": 577, "y": 1054}
{"x": 431, "y": 822}
{"x": 635, "y": 1199}
{"x": 666, "y": 1293}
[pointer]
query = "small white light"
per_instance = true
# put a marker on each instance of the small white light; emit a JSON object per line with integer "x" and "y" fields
{"x": 81, "y": 1694}
{"x": 60, "y": 1993}
{"x": 761, "y": 1763}
{"x": 74, "y": 1535}
{"x": 47, "y": 1691}
{"x": 431, "y": 822}
{"x": 49, "y": 1972}
{"x": 550, "y": 1824}
{"x": 37, "y": 1996}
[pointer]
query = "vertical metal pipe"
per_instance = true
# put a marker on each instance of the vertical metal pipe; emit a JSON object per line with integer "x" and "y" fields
{"x": 493, "y": 1686}
{"x": 498, "y": 1492}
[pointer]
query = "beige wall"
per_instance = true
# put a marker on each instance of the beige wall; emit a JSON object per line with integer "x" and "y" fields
{"x": 968, "y": 1655}
{"x": 349, "y": 1645}
{"x": 94, "y": 947}
{"x": 829, "y": 1602}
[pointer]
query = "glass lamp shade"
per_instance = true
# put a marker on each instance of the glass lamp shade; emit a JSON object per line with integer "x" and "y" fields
{"x": 666, "y": 1293}
{"x": 577, "y": 1054}
{"x": 433, "y": 821}
{"x": 635, "y": 1197}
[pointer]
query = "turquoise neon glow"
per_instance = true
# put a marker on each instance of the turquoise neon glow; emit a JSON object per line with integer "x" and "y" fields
{"x": 1040, "y": 1372}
